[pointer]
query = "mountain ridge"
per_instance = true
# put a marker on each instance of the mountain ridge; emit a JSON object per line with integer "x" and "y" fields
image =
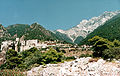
{"x": 73, "y": 35}
{"x": 33, "y": 31}
{"x": 110, "y": 30}
{"x": 87, "y": 26}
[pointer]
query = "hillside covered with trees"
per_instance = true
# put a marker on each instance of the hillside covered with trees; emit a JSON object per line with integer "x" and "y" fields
{"x": 34, "y": 31}
{"x": 110, "y": 30}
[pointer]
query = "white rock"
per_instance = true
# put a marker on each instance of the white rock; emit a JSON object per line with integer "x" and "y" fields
{"x": 87, "y": 26}
{"x": 101, "y": 61}
{"x": 80, "y": 67}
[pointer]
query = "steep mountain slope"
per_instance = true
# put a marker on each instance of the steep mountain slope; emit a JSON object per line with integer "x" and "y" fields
{"x": 110, "y": 30}
{"x": 86, "y": 26}
{"x": 34, "y": 31}
{"x": 62, "y": 36}
{"x": 17, "y": 30}
{"x": 4, "y": 35}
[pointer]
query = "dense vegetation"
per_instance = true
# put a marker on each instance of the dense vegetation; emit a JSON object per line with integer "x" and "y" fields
{"x": 4, "y": 35}
{"x": 13, "y": 59}
{"x": 34, "y": 31}
{"x": 105, "y": 48}
{"x": 18, "y": 29}
{"x": 110, "y": 30}
{"x": 62, "y": 37}
{"x": 112, "y": 53}
{"x": 28, "y": 32}
{"x": 27, "y": 59}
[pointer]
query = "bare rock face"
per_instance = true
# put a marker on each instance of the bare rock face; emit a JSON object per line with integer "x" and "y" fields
{"x": 78, "y": 67}
{"x": 86, "y": 26}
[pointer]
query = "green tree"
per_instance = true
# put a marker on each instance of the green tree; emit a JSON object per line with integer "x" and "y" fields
{"x": 52, "y": 56}
{"x": 34, "y": 58}
{"x": 27, "y": 53}
{"x": 13, "y": 59}
{"x": 18, "y": 45}
{"x": 93, "y": 40}
{"x": 112, "y": 53}
{"x": 110, "y": 30}
{"x": 99, "y": 45}
{"x": 58, "y": 49}
{"x": 116, "y": 43}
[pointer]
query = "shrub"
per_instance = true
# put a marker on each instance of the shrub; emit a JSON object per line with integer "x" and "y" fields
{"x": 112, "y": 53}
{"x": 25, "y": 54}
{"x": 99, "y": 45}
{"x": 69, "y": 58}
{"x": 52, "y": 56}
{"x": 13, "y": 59}
{"x": 33, "y": 58}
{"x": 116, "y": 43}
{"x": 86, "y": 55}
{"x": 63, "y": 51}
{"x": 26, "y": 59}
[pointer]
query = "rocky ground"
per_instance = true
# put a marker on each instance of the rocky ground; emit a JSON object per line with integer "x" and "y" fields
{"x": 79, "y": 67}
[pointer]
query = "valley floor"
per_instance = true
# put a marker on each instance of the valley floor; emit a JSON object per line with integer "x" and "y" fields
{"x": 79, "y": 67}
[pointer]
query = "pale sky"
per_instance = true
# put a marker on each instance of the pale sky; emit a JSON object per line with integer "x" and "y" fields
{"x": 53, "y": 14}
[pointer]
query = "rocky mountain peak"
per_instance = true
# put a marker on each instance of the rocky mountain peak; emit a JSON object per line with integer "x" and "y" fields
{"x": 59, "y": 30}
{"x": 87, "y": 26}
{"x": 36, "y": 26}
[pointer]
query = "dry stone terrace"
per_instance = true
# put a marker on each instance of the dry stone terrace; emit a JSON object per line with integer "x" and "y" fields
{"x": 78, "y": 67}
